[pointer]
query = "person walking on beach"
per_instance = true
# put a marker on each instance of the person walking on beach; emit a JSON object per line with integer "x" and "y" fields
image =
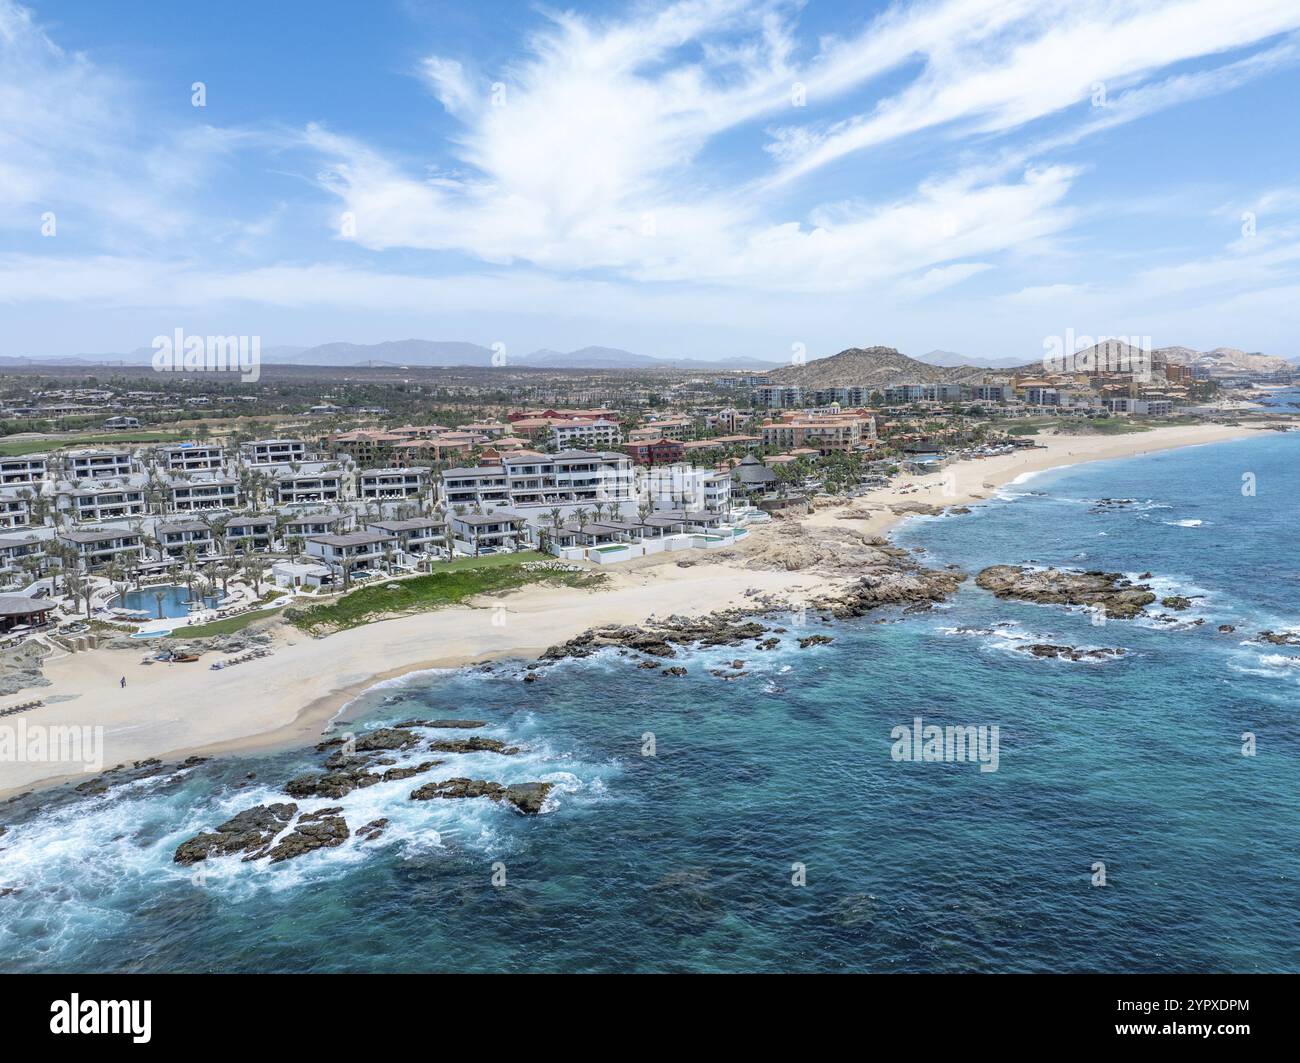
{"x": 123, "y": 683}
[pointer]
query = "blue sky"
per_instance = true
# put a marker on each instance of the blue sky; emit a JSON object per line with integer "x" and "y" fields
{"x": 709, "y": 178}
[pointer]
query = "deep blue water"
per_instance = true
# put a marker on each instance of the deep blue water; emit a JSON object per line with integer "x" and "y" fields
{"x": 682, "y": 861}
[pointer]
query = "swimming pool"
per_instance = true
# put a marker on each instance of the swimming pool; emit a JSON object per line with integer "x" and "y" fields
{"x": 175, "y": 601}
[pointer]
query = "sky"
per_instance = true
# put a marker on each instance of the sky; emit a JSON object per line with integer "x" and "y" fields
{"x": 699, "y": 179}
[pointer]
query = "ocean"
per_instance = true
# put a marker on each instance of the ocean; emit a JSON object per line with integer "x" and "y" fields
{"x": 771, "y": 829}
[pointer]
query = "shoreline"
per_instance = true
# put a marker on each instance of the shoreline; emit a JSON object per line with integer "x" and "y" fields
{"x": 283, "y": 701}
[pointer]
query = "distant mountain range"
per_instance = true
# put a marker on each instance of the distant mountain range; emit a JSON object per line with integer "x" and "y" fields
{"x": 863, "y": 365}
{"x": 426, "y": 354}
{"x": 952, "y": 360}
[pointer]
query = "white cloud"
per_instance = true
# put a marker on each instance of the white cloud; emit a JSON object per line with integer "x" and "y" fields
{"x": 597, "y": 157}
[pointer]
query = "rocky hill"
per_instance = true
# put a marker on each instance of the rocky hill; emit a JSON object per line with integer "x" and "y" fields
{"x": 873, "y": 367}
{"x": 1225, "y": 360}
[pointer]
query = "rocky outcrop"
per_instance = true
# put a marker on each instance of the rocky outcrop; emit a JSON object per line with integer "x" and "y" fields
{"x": 661, "y": 639}
{"x": 314, "y": 830}
{"x": 249, "y": 831}
{"x": 1279, "y": 638}
{"x": 913, "y": 586}
{"x": 1176, "y": 602}
{"x": 466, "y": 724}
{"x": 473, "y": 745}
{"x": 1070, "y": 653}
{"x": 815, "y": 640}
{"x": 527, "y": 797}
{"x": 1118, "y": 597}
{"x": 348, "y": 777}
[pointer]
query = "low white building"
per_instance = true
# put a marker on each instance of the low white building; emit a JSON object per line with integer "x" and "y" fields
{"x": 356, "y": 551}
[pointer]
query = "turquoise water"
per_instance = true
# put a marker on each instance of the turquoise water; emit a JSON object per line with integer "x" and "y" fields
{"x": 175, "y": 602}
{"x": 682, "y": 861}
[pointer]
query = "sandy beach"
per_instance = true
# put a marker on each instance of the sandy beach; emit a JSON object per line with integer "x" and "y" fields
{"x": 175, "y": 710}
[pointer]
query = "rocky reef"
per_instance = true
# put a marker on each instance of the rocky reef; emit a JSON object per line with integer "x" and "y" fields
{"x": 278, "y": 832}
{"x": 528, "y": 797}
{"x": 1114, "y": 594}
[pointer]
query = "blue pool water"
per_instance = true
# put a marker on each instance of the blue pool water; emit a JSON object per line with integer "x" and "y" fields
{"x": 684, "y": 860}
{"x": 175, "y": 602}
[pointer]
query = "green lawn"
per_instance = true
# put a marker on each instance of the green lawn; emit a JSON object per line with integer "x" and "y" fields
{"x": 451, "y": 583}
{"x": 222, "y": 627}
{"x": 41, "y": 446}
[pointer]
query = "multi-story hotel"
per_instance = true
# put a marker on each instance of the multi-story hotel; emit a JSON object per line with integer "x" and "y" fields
{"x": 192, "y": 457}
{"x": 392, "y": 483}
{"x": 273, "y": 451}
{"x": 98, "y": 548}
{"x": 106, "y": 503}
{"x": 598, "y": 433}
{"x": 98, "y": 464}
{"x": 190, "y": 496}
{"x": 25, "y": 470}
{"x": 308, "y": 485}
{"x": 540, "y": 481}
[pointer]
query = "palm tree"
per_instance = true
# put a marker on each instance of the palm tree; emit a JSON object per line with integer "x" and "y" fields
{"x": 158, "y": 597}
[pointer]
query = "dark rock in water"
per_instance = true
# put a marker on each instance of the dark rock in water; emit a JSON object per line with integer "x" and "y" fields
{"x": 467, "y": 724}
{"x": 737, "y": 665}
{"x": 1118, "y": 597}
{"x": 1145, "y": 575}
{"x": 1176, "y": 601}
{"x": 1226, "y": 629}
{"x": 344, "y": 780}
{"x": 675, "y": 670}
{"x": 532, "y": 677}
{"x": 473, "y": 745}
{"x": 722, "y": 673}
{"x": 959, "y": 510}
{"x": 528, "y": 797}
{"x": 10, "y": 891}
{"x": 1279, "y": 638}
{"x": 647, "y": 664}
{"x": 815, "y": 640}
{"x": 1071, "y": 653}
{"x": 314, "y": 830}
{"x": 382, "y": 738}
{"x": 372, "y": 830}
{"x": 250, "y": 830}
{"x": 768, "y": 644}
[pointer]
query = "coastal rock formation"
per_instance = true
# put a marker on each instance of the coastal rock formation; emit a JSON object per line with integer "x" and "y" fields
{"x": 720, "y": 629}
{"x": 1176, "y": 601}
{"x": 1279, "y": 638}
{"x": 249, "y": 831}
{"x": 914, "y": 586}
{"x": 815, "y": 640}
{"x": 382, "y": 738}
{"x": 467, "y": 724}
{"x": 1118, "y": 597}
{"x": 473, "y": 745}
{"x": 314, "y": 830}
{"x": 20, "y": 667}
{"x": 1071, "y": 653}
{"x": 343, "y": 780}
{"x": 527, "y": 797}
